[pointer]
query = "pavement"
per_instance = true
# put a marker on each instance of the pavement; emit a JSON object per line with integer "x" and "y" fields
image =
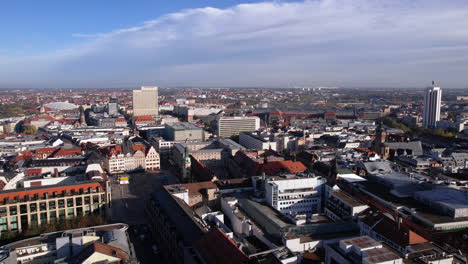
{"x": 128, "y": 206}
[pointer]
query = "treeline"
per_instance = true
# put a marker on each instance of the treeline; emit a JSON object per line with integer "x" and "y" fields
{"x": 15, "y": 109}
{"x": 418, "y": 131}
{"x": 61, "y": 225}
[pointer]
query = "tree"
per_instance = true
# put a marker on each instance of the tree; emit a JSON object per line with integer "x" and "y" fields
{"x": 30, "y": 130}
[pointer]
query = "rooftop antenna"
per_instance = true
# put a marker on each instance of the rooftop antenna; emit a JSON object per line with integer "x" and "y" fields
{"x": 433, "y": 83}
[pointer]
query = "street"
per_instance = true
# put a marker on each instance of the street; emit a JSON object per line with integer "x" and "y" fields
{"x": 128, "y": 206}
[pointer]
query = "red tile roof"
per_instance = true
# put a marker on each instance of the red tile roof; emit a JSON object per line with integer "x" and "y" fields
{"x": 103, "y": 249}
{"x": 144, "y": 118}
{"x": 217, "y": 247}
{"x": 36, "y": 118}
{"x": 67, "y": 152}
{"x": 400, "y": 235}
{"x": 289, "y": 166}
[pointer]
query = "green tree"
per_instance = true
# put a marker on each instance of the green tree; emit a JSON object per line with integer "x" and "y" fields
{"x": 30, "y": 130}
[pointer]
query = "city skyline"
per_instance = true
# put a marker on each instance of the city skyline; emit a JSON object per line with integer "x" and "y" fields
{"x": 262, "y": 44}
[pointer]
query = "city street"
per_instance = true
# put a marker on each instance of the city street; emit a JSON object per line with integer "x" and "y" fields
{"x": 128, "y": 206}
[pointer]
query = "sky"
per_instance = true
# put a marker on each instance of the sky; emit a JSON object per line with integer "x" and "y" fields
{"x": 233, "y": 43}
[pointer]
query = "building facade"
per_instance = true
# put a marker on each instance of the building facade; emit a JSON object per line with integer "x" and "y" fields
{"x": 118, "y": 159}
{"x": 145, "y": 101}
{"x": 251, "y": 140}
{"x": 231, "y": 126}
{"x": 25, "y": 208}
{"x": 182, "y": 131}
{"x": 113, "y": 107}
{"x": 293, "y": 195}
{"x": 432, "y": 103}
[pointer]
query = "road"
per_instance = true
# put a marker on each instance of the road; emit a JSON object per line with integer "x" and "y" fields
{"x": 128, "y": 206}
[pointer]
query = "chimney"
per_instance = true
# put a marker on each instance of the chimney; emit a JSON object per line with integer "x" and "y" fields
{"x": 56, "y": 173}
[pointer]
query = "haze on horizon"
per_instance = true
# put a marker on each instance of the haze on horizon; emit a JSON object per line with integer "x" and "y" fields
{"x": 359, "y": 43}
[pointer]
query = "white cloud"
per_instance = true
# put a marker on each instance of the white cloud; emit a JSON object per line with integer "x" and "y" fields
{"x": 322, "y": 42}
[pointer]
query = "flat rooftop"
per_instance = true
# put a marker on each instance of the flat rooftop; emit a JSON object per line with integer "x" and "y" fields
{"x": 183, "y": 126}
{"x": 347, "y": 198}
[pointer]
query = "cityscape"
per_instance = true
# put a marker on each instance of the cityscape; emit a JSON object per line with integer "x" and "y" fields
{"x": 153, "y": 144}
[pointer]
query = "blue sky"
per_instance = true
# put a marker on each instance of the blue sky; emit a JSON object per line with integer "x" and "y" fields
{"x": 117, "y": 43}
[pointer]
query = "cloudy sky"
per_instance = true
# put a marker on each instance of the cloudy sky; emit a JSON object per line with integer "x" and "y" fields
{"x": 347, "y": 43}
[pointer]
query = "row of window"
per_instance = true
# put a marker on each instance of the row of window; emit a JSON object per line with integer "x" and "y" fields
{"x": 41, "y": 218}
{"x": 60, "y": 203}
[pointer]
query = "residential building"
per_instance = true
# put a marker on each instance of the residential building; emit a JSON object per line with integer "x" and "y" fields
{"x": 130, "y": 156}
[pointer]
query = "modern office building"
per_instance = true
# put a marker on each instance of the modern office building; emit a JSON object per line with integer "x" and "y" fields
{"x": 113, "y": 107}
{"x": 182, "y": 131}
{"x": 432, "y": 103}
{"x": 231, "y": 126}
{"x": 145, "y": 101}
{"x": 24, "y": 208}
{"x": 253, "y": 140}
{"x": 294, "y": 195}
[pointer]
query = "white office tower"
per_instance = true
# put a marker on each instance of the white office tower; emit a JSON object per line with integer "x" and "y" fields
{"x": 113, "y": 107}
{"x": 293, "y": 195}
{"x": 432, "y": 103}
{"x": 231, "y": 126}
{"x": 145, "y": 101}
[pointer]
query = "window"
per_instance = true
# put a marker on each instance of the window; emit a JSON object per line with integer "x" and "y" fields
{"x": 23, "y": 209}
{"x": 61, "y": 203}
{"x": 43, "y": 218}
{"x": 52, "y": 205}
{"x": 43, "y": 206}
{"x": 34, "y": 219}
{"x": 78, "y": 201}
{"x": 62, "y": 214}
{"x": 70, "y": 211}
{"x": 13, "y": 210}
{"x": 53, "y": 215}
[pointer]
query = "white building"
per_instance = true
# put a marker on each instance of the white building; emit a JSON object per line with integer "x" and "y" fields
{"x": 119, "y": 160}
{"x": 361, "y": 250}
{"x": 293, "y": 195}
{"x": 145, "y": 101}
{"x": 231, "y": 126}
{"x": 432, "y": 103}
{"x": 251, "y": 140}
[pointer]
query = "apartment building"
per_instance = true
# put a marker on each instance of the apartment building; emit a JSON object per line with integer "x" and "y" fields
{"x": 129, "y": 156}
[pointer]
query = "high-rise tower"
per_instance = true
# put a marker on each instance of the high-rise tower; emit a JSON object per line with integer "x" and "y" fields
{"x": 432, "y": 103}
{"x": 145, "y": 101}
{"x": 113, "y": 106}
